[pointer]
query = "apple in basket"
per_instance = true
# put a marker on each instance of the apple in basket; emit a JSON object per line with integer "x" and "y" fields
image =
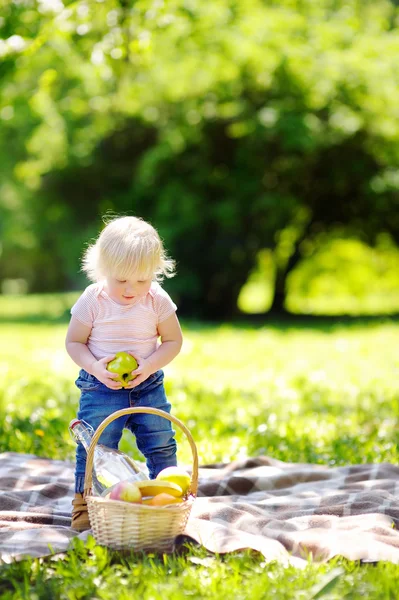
{"x": 176, "y": 475}
{"x": 127, "y": 491}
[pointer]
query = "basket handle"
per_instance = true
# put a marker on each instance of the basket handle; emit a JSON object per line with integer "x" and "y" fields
{"x": 129, "y": 411}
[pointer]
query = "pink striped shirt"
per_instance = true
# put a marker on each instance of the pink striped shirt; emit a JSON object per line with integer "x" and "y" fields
{"x": 116, "y": 327}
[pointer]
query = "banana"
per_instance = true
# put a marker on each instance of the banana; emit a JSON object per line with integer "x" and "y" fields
{"x": 154, "y": 487}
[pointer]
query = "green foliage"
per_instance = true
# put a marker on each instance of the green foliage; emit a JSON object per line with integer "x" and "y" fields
{"x": 346, "y": 277}
{"x": 232, "y": 127}
{"x": 336, "y": 276}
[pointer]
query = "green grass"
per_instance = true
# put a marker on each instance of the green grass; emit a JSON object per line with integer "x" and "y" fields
{"x": 314, "y": 391}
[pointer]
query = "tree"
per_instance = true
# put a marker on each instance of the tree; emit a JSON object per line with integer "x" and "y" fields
{"x": 232, "y": 127}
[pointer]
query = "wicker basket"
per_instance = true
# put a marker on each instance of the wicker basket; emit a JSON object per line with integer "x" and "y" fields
{"x": 124, "y": 525}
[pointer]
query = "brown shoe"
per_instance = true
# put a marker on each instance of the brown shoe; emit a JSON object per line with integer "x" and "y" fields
{"x": 80, "y": 516}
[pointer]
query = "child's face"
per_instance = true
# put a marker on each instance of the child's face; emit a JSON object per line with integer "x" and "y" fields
{"x": 126, "y": 291}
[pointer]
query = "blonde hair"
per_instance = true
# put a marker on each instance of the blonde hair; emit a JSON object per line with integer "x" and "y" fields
{"x": 126, "y": 246}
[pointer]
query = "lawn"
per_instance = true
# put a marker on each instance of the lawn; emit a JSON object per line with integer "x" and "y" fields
{"x": 322, "y": 391}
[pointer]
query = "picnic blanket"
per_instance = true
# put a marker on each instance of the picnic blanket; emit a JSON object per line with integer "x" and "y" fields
{"x": 286, "y": 511}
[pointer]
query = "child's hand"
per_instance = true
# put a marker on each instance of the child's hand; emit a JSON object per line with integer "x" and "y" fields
{"x": 99, "y": 370}
{"x": 143, "y": 371}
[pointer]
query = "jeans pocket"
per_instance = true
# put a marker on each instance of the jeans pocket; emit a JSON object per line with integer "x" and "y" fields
{"x": 87, "y": 386}
{"x": 157, "y": 377}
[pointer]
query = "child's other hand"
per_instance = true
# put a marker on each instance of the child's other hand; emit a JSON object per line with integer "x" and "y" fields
{"x": 143, "y": 371}
{"x": 99, "y": 370}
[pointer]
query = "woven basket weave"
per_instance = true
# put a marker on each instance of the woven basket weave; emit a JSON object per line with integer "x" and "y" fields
{"x": 124, "y": 525}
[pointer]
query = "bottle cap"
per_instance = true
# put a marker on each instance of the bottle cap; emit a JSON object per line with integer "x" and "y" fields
{"x": 73, "y": 423}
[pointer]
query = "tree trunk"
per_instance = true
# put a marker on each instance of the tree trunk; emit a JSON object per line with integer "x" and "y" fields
{"x": 278, "y": 303}
{"x": 221, "y": 293}
{"x": 280, "y": 286}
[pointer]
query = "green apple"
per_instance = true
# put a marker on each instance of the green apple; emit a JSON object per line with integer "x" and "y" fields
{"x": 123, "y": 364}
{"x": 127, "y": 491}
{"x": 176, "y": 475}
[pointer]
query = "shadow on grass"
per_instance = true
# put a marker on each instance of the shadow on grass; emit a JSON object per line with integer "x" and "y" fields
{"x": 287, "y": 322}
{"x": 52, "y": 309}
{"x": 36, "y": 319}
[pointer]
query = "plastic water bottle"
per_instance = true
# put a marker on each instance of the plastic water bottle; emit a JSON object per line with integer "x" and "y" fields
{"x": 109, "y": 466}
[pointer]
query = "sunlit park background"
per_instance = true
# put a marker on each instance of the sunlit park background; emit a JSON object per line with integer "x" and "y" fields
{"x": 261, "y": 138}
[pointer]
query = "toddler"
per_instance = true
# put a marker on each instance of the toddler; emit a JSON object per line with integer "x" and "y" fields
{"x": 125, "y": 309}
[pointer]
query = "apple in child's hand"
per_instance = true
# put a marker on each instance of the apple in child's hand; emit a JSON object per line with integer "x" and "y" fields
{"x": 127, "y": 491}
{"x": 123, "y": 364}
{"x": 176, "y": 475}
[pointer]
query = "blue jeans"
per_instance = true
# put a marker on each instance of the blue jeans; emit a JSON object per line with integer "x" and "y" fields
{"x": 154, "y": 434}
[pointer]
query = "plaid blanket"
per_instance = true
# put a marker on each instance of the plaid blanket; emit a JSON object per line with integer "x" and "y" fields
{"x": 286, "y": 511}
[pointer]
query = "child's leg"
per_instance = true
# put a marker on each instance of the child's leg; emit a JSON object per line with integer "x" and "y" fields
{"x": 154, "y": 434}
{"x": 96, "y": 403}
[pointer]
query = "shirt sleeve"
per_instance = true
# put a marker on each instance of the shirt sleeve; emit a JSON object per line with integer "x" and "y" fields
{"x": 85, "y": 308}
{"x": 163, "y": 304}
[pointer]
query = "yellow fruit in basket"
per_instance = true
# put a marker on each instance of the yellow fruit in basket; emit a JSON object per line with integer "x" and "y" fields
{"x": 164, "y": 500}
{"x": 176, "y": 475}
{"x": 127, "y": 491}
{"x": 148, "y": 500}
{"x": 153, "y": 487}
